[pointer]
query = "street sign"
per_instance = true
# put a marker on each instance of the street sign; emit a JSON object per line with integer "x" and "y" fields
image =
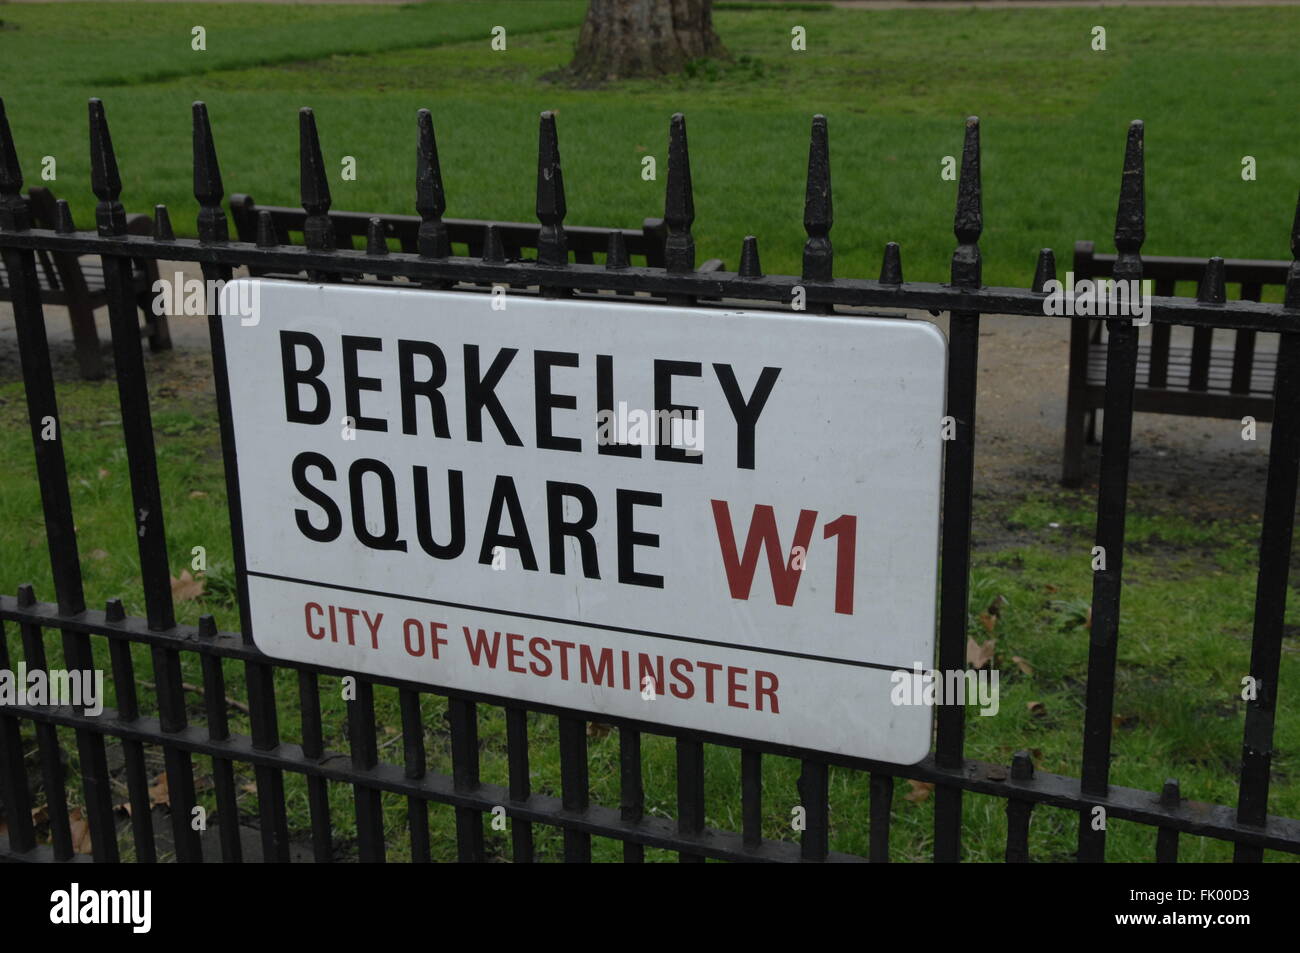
{"x": 704, "y": 518}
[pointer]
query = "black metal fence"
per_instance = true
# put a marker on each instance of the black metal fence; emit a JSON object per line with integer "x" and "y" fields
{"x": 965, "y": 298}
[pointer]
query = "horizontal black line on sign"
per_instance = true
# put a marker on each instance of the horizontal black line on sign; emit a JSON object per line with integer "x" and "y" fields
{"x": 585, "y": 625}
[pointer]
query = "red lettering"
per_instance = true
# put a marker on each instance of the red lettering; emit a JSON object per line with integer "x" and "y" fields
{"x": 675, "y": 667}
{"x": 564, "y": 658}
{"x": 478, "y": 646}
{"x": 588, "y": 664}
{"x": 306, "y": 611}
{"x": 760, "y": 690}
{"x": 709, "y": 667}
{"x": 511, "y": 652}
{"x": 532, "y": 647}
{"x": 733, "y": 686}
{"x": 762, "y": 534}
{"x": 406, "y": 636}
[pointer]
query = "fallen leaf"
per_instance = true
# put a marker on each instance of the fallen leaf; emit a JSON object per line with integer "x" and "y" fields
{"x": 988, "y": 620}
{"x": 977, "y": 656}
{"x": 80, "y": 832}
{"x": 249, "y": 788}
{"x": 98, "y": 554}
{"x": 40, "y": 815}
{"x": 158, "y": 793}
{"x": 186, "y": 587}
{"x": 1037, "y": 709}
{"x": 920, "y": 791}
{"x": 1051, "y": 588}
{"x": 102, "y": 473}
{"x": 197, "y": 494}
{"x": 596, "y": 729}
{"x": 1023, "y": 665}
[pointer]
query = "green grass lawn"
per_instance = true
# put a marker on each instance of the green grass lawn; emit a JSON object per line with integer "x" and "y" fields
{"x": 1188, "y": 600}
{"x": 896, "y": 86}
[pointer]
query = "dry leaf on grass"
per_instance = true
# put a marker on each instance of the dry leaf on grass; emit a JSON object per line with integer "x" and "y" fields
{"x": 158, "y": 793}
{"x": 186, "y": 587}
{"x": 920, "y": 791}
{"x": 197, "y": 494}
{"x": 98, "y": 554}
{"x": 977, "y": 656}
{"x": 1023, "y": 665}
{"x": 80, "y": 832}
{"x": 597, "y": 729}
{"x": 988, "y": 621}
{"x": 1037, "y": 709}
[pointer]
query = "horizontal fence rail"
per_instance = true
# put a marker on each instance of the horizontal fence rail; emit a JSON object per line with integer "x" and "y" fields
{"x": 85, "y": 631}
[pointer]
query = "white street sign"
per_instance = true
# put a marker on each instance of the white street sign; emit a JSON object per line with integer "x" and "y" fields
{"x": 709, "y": 519}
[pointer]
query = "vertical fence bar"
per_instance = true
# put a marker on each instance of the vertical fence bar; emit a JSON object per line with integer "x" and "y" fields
{"x": 631, "y": 788}
{"x": 814, "y": 795}
{"x": 414, "y": 758}
{"x": 128, "y": 710}
{"x": 47, "y": 738}
{"x": 751, "y": 797}
{"x": 223, "y": 770}
{"x": 365, "y": 756}
{"x": 1112, "y": 497}
{"x": 521, "y": 832}
{"x": 1019, "y": 811}
{"x": 179, "y": 763}
{"x": 314, "y": 188}
{"x": 882, "y": 805}
{"x": 679, "y": 207}
{"x": 38, "y": 382}
{"x": 690, "y": 794}
{"x": 463, "y": 716}
{"x": 818, "y": 256}
{"x": 1274, "y": 572}
{"x": 13, "y": 771}
{"x": 96, "y": 785}
{"x": 574, "y": 786}
{"x": 552, "y": 243}
{"x": 132, "y": 386}
{"x": 958, "y": 485}
{"x": 1167, "y": 837}
{"x": 313, "y": 746}
{"x": 430, "y": 199}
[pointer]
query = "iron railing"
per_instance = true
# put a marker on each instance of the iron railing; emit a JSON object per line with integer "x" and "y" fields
{"x": 965, "y": 298}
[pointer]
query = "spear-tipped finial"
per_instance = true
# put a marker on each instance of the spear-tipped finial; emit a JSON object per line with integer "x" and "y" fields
{"x": 14, "y": 213}
{"x": 376, "y": 240}
{"x": 679, "y": 200}
{"x": 266, "y": 230}
{"x": 104, "y": 179}
{"x": 208, "y": 189}
{"x": 1212, "y": 288}
{"x": 968, "y": 222}
{"x": 817, "y": 214}
{"x": 63, "y": 223}
{"x": 891, "y": 266}
{"x": 430, "y": 199}
{"x": 313, "y": 185}
{"x": 616, "y": 252}
{"x": 552, "y": 246}
{"x": 1130, "y": 217}
{"x": 1045, "y": 271}
{"x": 750, "y": 267}
{"x": 494, "y": 250}
{"x": 162, "y": 224}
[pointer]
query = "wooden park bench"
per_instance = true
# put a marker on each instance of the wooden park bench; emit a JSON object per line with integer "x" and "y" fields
{"x": 466, "y": 235}
{"x": 78, "y": 284}
{"x": 1231, "y": 380}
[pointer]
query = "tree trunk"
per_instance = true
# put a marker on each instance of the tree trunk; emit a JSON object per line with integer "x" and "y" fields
{"x": 644, "y": 37}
